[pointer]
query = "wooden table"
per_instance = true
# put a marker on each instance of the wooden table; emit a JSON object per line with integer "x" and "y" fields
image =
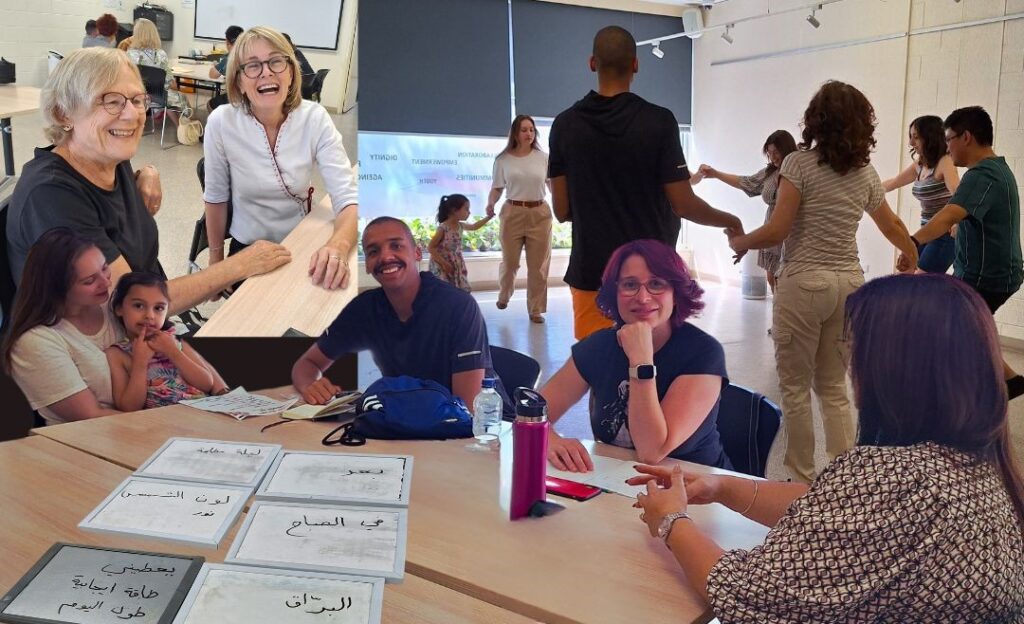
{"x": 14, "y": 100}
{"x": 48, "y": 488}
{"x": 268, "y": 305}
{"x": 199, "y": 75}
{"x": 592, "y": 562}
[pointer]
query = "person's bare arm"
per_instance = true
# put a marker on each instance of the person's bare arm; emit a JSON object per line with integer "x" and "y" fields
{"x": 492, "y": 199}
{"x": 323, "y": 270}
{"x": 466, "y": 385}
{"x": 562, "y": 391}
{"x": 938, "y": 225}
{"x": 308, "y": 377}
{"x": 434, "y": 247}
{"x": 129, "y": 380}
{"x": 896, "y": 233}
{"x": 560, "y": 199}
{"x": 216, "y": 229}
{"x": 774, "y": 232}
{"x": 479, "y": 223}
{"x": 260, "y": 257}
{"x": 903, "y": 178}
{"x": 81, "y": 405}
{"x": 686, "y": 205}
{"x": 948, "y": 174}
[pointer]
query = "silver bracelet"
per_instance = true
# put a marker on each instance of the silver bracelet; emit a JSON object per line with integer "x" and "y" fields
{"x": 751, "y": 505}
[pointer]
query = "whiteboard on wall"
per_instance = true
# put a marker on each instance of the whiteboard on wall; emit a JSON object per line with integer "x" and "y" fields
{"x": 316, "y": 24}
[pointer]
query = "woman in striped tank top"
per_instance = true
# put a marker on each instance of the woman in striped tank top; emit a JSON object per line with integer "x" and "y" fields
{"x": 935, "y": 178}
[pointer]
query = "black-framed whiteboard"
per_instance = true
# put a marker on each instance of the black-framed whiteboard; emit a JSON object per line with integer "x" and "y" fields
{"x": 311, "y": 23}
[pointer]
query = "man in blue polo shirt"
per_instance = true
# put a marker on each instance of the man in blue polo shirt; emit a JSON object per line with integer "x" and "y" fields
{"x": 986, "y": 210}
{"x": 414, "y": 324}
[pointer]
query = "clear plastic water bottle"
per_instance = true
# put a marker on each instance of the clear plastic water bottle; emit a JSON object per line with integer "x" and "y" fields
{"x": 487, "y": 412}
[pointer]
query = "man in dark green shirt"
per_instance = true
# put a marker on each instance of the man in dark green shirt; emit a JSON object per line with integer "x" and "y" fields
{"x": 986, "y": 210}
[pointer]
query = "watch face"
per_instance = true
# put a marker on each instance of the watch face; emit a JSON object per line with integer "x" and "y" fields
{"x": 645, "y": 371}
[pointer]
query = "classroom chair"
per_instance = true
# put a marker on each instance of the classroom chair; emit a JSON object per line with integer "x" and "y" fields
{"x": 199, "y": 238}
{"x": 7, "y": 286}
{"x": 515, "y": 370}
{"x": 747, "y": 424}
{"x": 153, "y": 78}
{"x": 316, "y": 85}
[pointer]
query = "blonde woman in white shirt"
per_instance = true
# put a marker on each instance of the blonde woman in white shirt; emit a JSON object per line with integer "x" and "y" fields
{"x": 260, "y": 153}
{"x": 520, "y": 171}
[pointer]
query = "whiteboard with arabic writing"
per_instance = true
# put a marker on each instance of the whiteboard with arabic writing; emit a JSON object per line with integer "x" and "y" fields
{"x": 210, "y": 461}
{"x": 326, "y": 538}
{"x": 194, "y": 513}
{"x": 281, "y": 596}
{"x": 362, "y": 479}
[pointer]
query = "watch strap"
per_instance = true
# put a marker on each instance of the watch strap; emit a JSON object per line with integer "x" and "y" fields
{"x": 665, "y": 529}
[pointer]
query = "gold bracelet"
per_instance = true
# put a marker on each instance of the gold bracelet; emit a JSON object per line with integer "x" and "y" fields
{"x": 751, "y": 505}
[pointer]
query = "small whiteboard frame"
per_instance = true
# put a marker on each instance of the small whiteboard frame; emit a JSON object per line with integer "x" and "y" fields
{"x": 173, "y": 605}
{"x": 252, "y": 483}
{"x": 263, "y": 492}
{"x": 376, "y": 600}
{"x": 235, "y": 510}
{"x": 394, "y": 575}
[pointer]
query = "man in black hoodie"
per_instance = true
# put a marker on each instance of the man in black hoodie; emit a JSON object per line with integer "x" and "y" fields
{"x": 618, "y": 173}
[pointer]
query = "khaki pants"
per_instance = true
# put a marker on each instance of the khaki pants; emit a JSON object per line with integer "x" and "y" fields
{"x": 587, "y": 317}
{"x": 811, "y": 352}
{"x": 530, "y": 228}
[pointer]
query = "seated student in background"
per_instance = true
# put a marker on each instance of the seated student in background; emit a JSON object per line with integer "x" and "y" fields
{"x": 150, "y": 367}
{"x": 146, "y": 50}
{"x": 93, "y": 38}
{"x": 414, "y": 324}
{"x": 922, "y": 521}
{"x": 220, "y": 68}
{"x": 655, "y": 380}
{"x": 446, "y": 261}
{"x": 305, "y": 68}
{"x": 260, "y": 154}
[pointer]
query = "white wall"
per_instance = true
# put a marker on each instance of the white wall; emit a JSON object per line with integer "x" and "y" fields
{"x": 28, "y": 28}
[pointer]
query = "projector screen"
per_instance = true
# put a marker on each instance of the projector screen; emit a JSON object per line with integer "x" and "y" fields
{"x": 316, "y": 25}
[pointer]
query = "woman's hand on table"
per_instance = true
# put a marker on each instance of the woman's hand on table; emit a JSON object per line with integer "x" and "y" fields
{"x": 263, "y": 257}
{"x": 701, "y": 487}
{"x": 319, "y": 392}
{"x": 147, "y": 180}
{"x": 659, "y": 501}
{"x": 328, "y": 267}
{"x": 568, "y": 454}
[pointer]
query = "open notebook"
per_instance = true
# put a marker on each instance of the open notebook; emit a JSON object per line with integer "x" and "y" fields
{"x": 342, "y": 404}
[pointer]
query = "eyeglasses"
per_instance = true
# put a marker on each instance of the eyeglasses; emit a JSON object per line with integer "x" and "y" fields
{"x": 114, "y": 103}
{"x": 655, "y": 286}
{"x": 253, "y": 69}
{"x": 950, "y": 138}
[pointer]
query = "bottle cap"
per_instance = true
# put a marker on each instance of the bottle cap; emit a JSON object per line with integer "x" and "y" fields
{"x": 530, "y": 405}
{"x": 488, "y": 382}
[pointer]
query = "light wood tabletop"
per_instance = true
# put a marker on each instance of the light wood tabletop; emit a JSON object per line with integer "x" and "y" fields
{"x": 592, "y": 562}
{"x": 270, "y": 304}
{"x": 48, "y": 488}
{"x": 195, "y": 71}
{"x": 18, "y": 100}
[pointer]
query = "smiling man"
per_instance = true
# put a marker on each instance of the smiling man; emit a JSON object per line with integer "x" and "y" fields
{"x": 414, "y": 324}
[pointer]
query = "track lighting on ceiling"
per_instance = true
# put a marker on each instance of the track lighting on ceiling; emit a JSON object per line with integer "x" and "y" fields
{"x": 657, "y": 51}
{"x": 726, "y": 36}
{"x": 812, "y": 19}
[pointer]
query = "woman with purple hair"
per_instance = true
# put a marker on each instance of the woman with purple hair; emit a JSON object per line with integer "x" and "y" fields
{"x": 921, "y": 521}
{"x": 655, "y": 379}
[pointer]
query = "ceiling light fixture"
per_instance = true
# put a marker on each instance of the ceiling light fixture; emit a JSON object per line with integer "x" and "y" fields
{"x": 657, "y": 51}
{"x": 726, "y": 35}
{"x": 812, "y": 20}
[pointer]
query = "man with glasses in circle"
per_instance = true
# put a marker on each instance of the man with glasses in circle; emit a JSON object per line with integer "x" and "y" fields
{"x": 654, "y": 379}
{"x": 986, "y": 210}
{"x": 94, "y": 109}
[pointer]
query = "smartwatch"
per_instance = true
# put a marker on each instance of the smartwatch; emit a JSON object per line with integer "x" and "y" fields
{"x": 643, "y": 371}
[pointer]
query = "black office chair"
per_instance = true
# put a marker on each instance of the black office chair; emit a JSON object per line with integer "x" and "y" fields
{"x": 747, "y": 424}
{"x": 153, "y": 79}
{"x": 199, "y": 239}
{"x": 315, "y": 86}
{"x": 515, "y": 370}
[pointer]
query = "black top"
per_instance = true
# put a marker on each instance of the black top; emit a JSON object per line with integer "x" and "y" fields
{"x": 307, "y": 70}
{"x": 50, "y": 193}
{"x": 617, "y": 153}
{"x": 446, "y": 333}
{"x": 604, "y": 366}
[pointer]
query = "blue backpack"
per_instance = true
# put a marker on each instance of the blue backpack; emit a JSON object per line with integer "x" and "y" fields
{"x": 405, "y": 408}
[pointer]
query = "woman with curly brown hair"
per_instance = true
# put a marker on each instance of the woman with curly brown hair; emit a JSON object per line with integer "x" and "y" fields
{"x": 824, "y": 188}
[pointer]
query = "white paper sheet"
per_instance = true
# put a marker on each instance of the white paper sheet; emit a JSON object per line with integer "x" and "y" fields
{"x": 241, "y": 404}
{"x": 340, "y": 477}
{"x": 210, "y": 461}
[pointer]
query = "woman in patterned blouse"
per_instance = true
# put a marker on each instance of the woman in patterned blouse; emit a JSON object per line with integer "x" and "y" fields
{"x": 922, "y": 521}
{"x": 765, "y": 183}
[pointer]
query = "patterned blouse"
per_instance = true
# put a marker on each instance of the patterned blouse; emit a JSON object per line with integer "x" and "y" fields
{"x": 164, "y": 383}
{"x": 451, "y": 250}
{"x": 766, "y": 185}
{"x": 886, "y": 534}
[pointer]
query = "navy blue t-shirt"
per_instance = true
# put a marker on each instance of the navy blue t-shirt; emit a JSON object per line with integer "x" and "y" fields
{"x": 446, "y": 333}
{"x": 605, "y": 367}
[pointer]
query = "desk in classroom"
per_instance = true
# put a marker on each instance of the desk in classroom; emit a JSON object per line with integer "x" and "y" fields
{"x": 268, "y": 305}
{"x": 198, "y": 76}
{"x": 592, "y": 562}
{"x": 14, "y": 100}
{"x": 48, "y": 488}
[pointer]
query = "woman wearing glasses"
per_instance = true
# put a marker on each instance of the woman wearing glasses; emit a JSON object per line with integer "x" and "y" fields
{"x": 94, "y": 109}
{"x": 655, "y": 379}
{"x": 260, "y": 154}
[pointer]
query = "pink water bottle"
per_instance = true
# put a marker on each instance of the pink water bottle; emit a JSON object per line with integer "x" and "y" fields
{"x": 529, "y": 452}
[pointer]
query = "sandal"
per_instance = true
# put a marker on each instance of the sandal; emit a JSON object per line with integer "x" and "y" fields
{"x": 536, "y": 318}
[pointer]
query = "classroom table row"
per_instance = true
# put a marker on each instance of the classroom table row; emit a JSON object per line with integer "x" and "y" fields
{"x": 592, "y": 562}
{"x": 49, "y": 487}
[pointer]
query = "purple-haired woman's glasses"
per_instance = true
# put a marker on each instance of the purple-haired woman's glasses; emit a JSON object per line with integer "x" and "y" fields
{"x": 629, "y": 287}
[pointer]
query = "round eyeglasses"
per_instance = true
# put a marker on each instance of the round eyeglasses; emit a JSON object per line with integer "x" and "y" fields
{"x": 655, "y": 286}
{"x": 253, "y": 69}
{"x": 114, "y": 103}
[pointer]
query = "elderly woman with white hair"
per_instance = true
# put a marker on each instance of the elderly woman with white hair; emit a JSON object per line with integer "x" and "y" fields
{"x": 260, "y": 154}
{"x": 94, "y": 109}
